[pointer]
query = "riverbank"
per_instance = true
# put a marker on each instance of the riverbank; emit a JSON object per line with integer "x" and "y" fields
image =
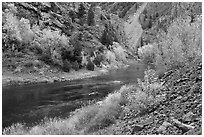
{"x": 10, "y": 78}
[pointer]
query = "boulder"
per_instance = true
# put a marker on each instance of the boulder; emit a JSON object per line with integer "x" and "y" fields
{"x": 163, "y": 127}
{"x": 190, "y": 116}
{"x": 137, "y": 128}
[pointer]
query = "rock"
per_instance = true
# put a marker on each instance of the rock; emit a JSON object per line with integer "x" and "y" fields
{"x": 182, "y": 126}
{"x": 35, "y": 69}
{"x": 41, "y": 72}
{"x": 45, "y": 80}
{"x": 99, "y": 103}
{"x": 55, "y": 79}
{"x": 17, "y": 70}
{"x": 93, "y": 93}
{"x": 190, "y": 116}
{"x": 147, "y": 121}
{"x": 163, "y": 127}
{"x": 194, "y": 132}
{"x": 137, "y": 128}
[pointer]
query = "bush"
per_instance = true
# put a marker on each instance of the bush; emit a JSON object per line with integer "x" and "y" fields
{"x": 140, "y": 96}
{"x": 181, "y": 44}
{"x": 98, "y": 59}
{"x": 51, "y": 43}
{"x": 66, "y": 66}
{"x": 146, "y": 53}
{"x": 90, "y": 65}
{"x": 119, "y": 52}
{"x": 150, "y": 85}
{"x": 110, "y": 57}
{"x": 17, "y": 32}
{"x": 75, "y": 66}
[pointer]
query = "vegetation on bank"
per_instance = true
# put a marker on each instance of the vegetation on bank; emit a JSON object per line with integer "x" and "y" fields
{"x": 54, "y": 35}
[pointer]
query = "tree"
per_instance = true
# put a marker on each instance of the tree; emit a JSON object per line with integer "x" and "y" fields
{"x": 81, "y": 11}
{"x": 90, "y": 17}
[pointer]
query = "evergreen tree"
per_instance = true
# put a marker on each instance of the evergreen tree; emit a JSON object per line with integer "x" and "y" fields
{"x": 90, "y": 17}
{"x": 81, "y": 11}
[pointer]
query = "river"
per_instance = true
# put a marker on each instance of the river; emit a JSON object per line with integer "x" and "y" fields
{"x": 32, "y": 103}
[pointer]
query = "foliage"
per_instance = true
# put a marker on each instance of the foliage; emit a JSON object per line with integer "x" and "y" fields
{"x": 90, "y": 17}
{"x": 119, "y": 52}
{"x": 15, "y": 31}
{"x": 150, "y": 84}
{"x": 81, "y": 11}
{"x": 90, "y": 65}
{"x": 51, "y": 43}
{"x": 110, "y": 57}
{"x": 66, "y": 66}
{"x": 146, "y": 53}
{"x": 75, "y": 66}
{"x": 182, "y": 43}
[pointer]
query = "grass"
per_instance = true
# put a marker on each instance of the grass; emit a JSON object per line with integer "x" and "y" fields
{"x": 97, "y": 118}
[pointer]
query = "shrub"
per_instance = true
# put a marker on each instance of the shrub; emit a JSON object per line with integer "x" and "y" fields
{"x": 90, "y": 65}
{"x": 150, "y": 85}
{"x": 119, "y": 52}
{"x": 140, "y": 96}
{"x": 75, "y": 66}
{"x": 16, "y": 129}
{"x": 51, "y": 43}
{"x": 146, "y": 53}
{"x": 16, "y": 32}
{"x": 90, "y": 16}
{"x": 110, "y": 57}
{"x": 81, "y": 118}
{"x": 181, "y": 44}
{"x": 66, "y": 66}
{"x": 98, "y": 59}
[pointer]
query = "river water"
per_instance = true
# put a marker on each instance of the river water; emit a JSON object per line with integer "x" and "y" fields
{"x": 30, "y": 104}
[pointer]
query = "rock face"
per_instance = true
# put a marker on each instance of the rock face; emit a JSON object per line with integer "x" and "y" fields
{"x": 134, "y": 30}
